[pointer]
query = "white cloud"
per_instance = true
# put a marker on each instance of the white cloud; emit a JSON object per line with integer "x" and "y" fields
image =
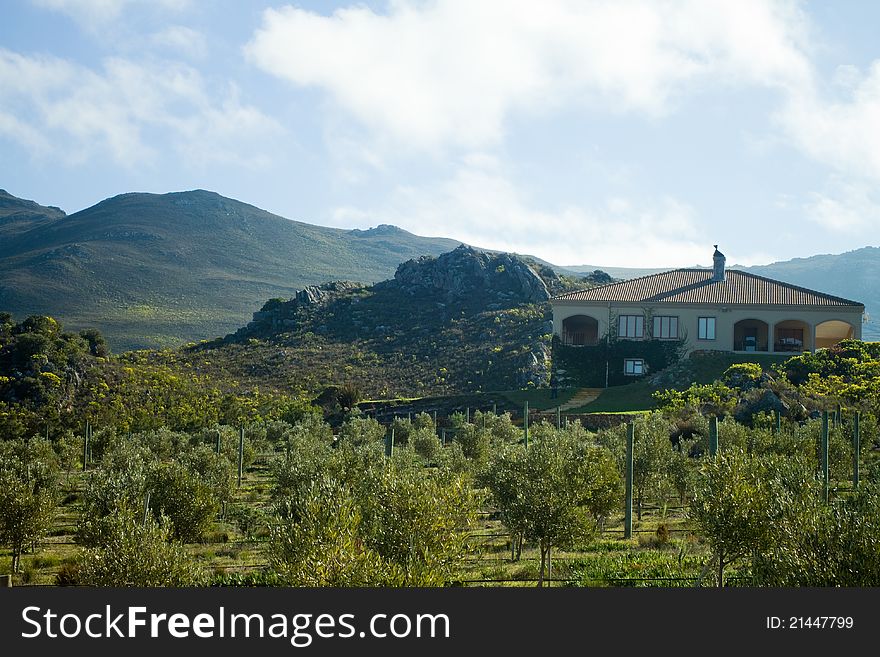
{"x": 481, "y": 206}
{"x": 450, "y": 72}
{"x": 840, "y": 133}
{"x": 68, "y": 111}
{"x": 91, "y": 14}
{"x": 182, "y": 39}
{"x": 849, "y": 207}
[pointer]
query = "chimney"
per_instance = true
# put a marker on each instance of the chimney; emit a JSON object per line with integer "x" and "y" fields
{"x": 718, "y": 261}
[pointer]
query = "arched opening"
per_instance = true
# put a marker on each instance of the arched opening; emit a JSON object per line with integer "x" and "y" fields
{"x": 831, "y": 332}
{"x": 792, "y": 335}
{"x": 751, "y": 335}
{"x": 580, "y": 331}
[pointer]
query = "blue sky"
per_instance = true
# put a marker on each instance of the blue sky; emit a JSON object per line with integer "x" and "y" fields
{"x": 627, "y": 133}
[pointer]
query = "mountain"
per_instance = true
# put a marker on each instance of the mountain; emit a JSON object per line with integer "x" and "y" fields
{"x": 18, "y": 215}
{"x": 465, "y": 321}
{"x": 159, "y": 270}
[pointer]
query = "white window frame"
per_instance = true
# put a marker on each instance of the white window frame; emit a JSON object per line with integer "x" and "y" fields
{"x": 670, "y": 322}
{"x": 631, "y": 327}
{"x": 706, "y": 328}
{"x": 633, "y": 366}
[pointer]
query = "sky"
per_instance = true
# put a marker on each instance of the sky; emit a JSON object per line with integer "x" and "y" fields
{"x": 629, "y": 133}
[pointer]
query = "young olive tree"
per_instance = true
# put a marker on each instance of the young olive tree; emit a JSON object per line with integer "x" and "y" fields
{"x": 741, "y": 501}
{"x": 136, "y": 553}
{"x": 553, "y": 492}
{"x": 28, "y": 493}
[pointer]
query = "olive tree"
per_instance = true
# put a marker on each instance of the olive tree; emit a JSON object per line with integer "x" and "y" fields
{"x": 136, "y": 553}
{"x": 554, "y": 492}
{"x": 28, "y": 493}
{"x": 740, "y": 502}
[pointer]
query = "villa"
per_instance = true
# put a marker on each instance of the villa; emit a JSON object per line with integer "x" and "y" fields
{"x": 710, "y": 309}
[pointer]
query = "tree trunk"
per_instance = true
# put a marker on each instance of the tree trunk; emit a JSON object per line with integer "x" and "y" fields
{"x": 720, "y": 570}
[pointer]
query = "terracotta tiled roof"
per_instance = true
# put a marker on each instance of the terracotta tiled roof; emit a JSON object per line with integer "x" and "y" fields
{"x": 698, "y": 286}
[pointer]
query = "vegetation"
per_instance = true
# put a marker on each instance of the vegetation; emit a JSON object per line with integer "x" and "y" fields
{"x": 327, "y": 498}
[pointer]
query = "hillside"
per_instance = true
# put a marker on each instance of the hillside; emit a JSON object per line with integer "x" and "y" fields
{"x": 160, "y": 270}
{"x": 465, "y": 321}
{"x": 18, "y": 215}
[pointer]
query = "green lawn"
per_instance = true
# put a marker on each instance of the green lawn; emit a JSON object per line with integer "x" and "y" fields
{"x": 702, "y": 369}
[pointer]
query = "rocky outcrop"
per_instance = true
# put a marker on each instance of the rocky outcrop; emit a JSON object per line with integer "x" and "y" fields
{"x": 278, "y": 315}
{"x": 465, "y": 274}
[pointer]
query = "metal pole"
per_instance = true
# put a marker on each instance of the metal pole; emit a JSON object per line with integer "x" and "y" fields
{"x": 713, "y": 436}
{"x": 494, "y": 408}
{"x": 558, "y": 417}
{"x": 443, "y": 436}
{"x": 825, "y": 455}
{"x": 526, "y": 422}
{"x": 240, "y": 453}
{"x": 389, "y": 443}
{"x": 628, "y": 509}
{"x": 85, "y": 446}
{"x": 856, "y": 447}
{"x": 467, "y": 415}
{"x": 435, "y": 420}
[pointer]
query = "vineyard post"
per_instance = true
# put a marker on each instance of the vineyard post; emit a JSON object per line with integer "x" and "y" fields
{"x": 443, "y": 436}
{"x": 146, "y": 508}
{"x": 856, "y": 447}
{"x": 628, "y": 510}
{"x": 824, "y": 455}
{"x": 409, "y": 416}
{"x": 558, "y": 417}
{"x": 435, "y": 420}
{"x": 389, "y": 443}
{"x": 86, "y": 446}
{"x": 494, "y": 408}
{"x": 713, "y": 435}
{"x": 526, "y": 422}
{"x": 218, "y": 441}
{"x": 777, "y": 422}
{"x": 240, "y": 453}
{"x": 467, "y": 415}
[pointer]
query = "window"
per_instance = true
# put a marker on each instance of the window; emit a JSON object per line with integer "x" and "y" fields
{"x": 665, "y": 328}
{"x": 633, "y": 366}
{"x": 631, "y": 326}
{"x": 706, "y": 328}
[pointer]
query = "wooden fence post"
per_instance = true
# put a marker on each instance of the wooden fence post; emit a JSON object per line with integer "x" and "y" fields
{"x": 857, "y": 439}
{"x": 389, "y": 443}
{"x": 240, "y": 453}
{"x": 713, "y": 435}
{"x": 824, "y": 456}
{"x": 85, "y": 446}
{"x": 628, "y": 509}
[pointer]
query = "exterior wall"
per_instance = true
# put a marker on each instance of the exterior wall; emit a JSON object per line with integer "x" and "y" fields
{"x": 725, "y": 319}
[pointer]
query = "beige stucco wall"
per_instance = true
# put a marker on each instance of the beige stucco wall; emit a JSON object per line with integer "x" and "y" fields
{"x": 725, "y": 318}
